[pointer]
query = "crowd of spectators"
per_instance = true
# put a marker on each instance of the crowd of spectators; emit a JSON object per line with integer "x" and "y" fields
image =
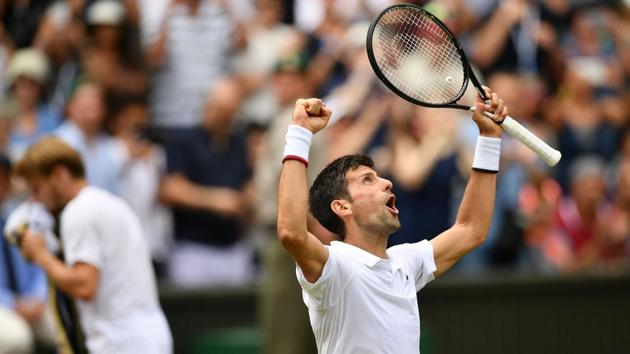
{"x": 180, "y": 107}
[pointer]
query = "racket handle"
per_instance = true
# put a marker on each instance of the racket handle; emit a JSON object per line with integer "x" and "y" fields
{"x": 550, "y": 155}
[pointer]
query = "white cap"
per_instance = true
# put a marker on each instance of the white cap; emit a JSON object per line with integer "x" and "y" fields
{"x": 106, "y": 13}
{"x": 31, "y": 63}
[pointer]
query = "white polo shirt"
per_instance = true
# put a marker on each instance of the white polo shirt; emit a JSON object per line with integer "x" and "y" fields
{"x": 366, "y": 304}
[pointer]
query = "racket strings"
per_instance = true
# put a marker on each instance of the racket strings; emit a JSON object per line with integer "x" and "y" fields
{"x": 418, "y": 57}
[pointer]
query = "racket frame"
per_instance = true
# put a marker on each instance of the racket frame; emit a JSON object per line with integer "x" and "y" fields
{"x": 546, "y": 152}
{"x": 468, "y": 72}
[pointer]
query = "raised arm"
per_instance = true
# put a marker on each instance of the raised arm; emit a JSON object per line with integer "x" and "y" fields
{"x": 309, "y": 117}
{"x": 490, "y": 39}
{"x": 436, "y": 143}
{"x": 475, "y": 212}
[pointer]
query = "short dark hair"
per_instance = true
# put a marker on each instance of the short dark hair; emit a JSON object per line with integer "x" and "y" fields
{"x": 331, "y": 184}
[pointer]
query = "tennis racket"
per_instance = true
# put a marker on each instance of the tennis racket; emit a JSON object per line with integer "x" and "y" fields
{"x": 417, "y": 57}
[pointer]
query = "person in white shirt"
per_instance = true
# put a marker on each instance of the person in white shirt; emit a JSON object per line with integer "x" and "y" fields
{"x": 107, "y": 268}
{"x": 361, "y": 296}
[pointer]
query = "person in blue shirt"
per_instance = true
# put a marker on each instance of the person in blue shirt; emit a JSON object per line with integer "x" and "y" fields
{"x": 27, "y": 75}
{"x": 23, "y": 289}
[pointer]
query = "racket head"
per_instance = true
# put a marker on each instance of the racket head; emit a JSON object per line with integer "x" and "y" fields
{"x": 417, "y": 57}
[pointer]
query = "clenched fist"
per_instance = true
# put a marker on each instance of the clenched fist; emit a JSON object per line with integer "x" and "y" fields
{"x": 311, "y": 113}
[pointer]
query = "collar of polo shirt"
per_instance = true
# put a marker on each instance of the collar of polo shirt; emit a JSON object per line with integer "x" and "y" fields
{"x": 363, "y": 256}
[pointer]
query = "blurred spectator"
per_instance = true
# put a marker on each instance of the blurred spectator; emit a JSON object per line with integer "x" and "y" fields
{"x": 324, "y": 45}
{"x": 582, "y": 215}
{"x": 590, "y": 51}
{"x": 360, "y": 129}
{"x": 313, "y": 14}
{"x": 459, "y": 16}
{"x": 26, "y": 76}
{"x": 583, "y": 127}
{"x": 359, "y": 104}
{"x": 515, "y": 36}
{"x": 23, "y": 286}
{"x": 104, "y": 156}
{"x": 113, "y": 57}
{"x": 61, "y": 35}
{"x": 266, "y": 39}
{"x": 190, "y": 54}
{"x": 592, "y": 54}
{"x": 141, "y": 177}
{"x": 208, "y": 185}
{"x": 546, "y": 248}
{"x": 340, "y": 70}
{"x": 20, "y": 20}
{"x": 423, "y": 187}
{"x": 614, "y": 238}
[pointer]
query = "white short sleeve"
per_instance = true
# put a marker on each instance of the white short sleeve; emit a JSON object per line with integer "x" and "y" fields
{"x": 420, "y": 256}
{"x": 81, "y": 243}
{"x": 335, "y": 275}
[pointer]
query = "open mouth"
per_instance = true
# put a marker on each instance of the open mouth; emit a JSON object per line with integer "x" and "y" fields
{"x": 391, "y": 205}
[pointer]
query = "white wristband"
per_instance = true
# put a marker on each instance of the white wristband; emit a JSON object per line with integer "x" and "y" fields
{"x": 298, "y": 143}
{"x": 487, "y": 154}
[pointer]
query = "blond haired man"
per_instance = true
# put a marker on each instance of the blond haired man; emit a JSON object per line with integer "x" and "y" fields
{"x": 106, "y": 266}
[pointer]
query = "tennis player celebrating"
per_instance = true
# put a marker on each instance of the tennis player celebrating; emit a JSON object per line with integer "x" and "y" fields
{"x": 107, "y": 268}
{"x": 361, "y": 295}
